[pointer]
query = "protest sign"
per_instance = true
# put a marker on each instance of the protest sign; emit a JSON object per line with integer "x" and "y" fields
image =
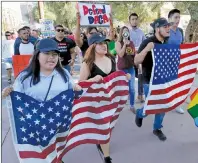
{"x": 94, "y": 14}
{"x": 20, "y": 62}
{"x": 47, "y": 28}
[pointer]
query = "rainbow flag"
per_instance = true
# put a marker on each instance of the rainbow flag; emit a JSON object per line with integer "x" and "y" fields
{"x": 193, "y": 106}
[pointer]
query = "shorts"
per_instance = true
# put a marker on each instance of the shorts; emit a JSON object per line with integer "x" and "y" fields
{"x": 7, "y": 62}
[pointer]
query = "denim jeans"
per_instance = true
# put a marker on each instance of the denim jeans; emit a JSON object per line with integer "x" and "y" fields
{"x": 140, "y": 85}
{"x": 68, "y": 68}
{"x": 158, "y": 117}
{"x": 131, "y": 71}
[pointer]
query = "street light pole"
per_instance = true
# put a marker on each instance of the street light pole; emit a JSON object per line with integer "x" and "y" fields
{"x": 41, "y": 9}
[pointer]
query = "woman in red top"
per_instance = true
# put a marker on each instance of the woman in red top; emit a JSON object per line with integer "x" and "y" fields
{"x": 126, "y": 53}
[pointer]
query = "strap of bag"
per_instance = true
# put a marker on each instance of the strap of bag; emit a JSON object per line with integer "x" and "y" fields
{"x": 49, "y": 88}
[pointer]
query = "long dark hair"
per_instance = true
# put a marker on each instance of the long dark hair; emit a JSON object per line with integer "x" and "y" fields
{"x": 89, "y": 57}
{"x": 33, "y": 70}
{"x": 120, "y": 37}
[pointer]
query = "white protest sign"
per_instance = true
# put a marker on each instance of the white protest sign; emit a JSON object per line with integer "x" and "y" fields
{"x": 94, "y": 14}
{"x": 47, "y": 27}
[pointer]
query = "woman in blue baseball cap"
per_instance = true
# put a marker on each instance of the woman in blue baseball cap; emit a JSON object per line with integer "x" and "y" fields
{"x": 44, "y": 78}
{"x": 98, "y": 63}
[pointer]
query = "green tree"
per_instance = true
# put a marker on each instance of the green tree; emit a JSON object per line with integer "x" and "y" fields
{"x": 147, "y": 11}
{"x": 60, "y": 12}
{"x": 191, "y": 33}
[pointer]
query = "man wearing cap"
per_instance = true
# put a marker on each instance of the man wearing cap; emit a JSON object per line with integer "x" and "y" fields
{"x": 144, "y": 57}
{"x": 7, "y": 52}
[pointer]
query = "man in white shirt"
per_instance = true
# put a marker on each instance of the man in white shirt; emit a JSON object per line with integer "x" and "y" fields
{"x": 137, "y": 36}
{"x": 25, "y": 47}
{"x": 7, "y": 52}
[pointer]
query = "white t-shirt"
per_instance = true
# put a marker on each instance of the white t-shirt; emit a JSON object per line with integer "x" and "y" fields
{"x": 39, "y": 90}
{"x": 7, "y": 48}
{"x": 26, "y": 49}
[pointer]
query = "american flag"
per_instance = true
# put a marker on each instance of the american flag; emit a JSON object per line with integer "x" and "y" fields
{"x": 174, "y": 68}
{"x": 46, "y": 131}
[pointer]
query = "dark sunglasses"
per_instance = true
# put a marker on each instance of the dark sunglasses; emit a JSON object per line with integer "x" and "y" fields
{"x": 7, "y": 35}
{"x": 60, "y": 30}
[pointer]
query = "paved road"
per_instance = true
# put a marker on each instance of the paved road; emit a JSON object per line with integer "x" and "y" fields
{"x": 129, "y": 144}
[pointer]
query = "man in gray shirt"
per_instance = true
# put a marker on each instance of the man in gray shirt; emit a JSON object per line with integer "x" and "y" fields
{"x": 137, "y": 36}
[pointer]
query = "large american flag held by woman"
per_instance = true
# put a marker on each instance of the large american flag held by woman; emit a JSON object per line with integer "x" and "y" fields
{"x": 174, "y": 68}
{"x": 43, "y": 132}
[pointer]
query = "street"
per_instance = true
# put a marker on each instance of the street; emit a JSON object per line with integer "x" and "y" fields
{"x": 129, "y": 144}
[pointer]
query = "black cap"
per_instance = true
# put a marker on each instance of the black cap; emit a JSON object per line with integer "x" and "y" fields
{"x": 160, "y": 23}
{"x": 46, "y": 45}
{"x": 97, "y": 38}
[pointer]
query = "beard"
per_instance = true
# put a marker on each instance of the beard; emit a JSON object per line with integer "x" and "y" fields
{"x": 161, "y": 35}
{"x": 25, "y": 39}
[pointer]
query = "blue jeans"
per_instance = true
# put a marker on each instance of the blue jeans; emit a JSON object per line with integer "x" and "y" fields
{"x": 158, "y": 117}
{"x": 68, "y": 68}
{"x": 131, "y": 71}
{"x": 140, "y": 84}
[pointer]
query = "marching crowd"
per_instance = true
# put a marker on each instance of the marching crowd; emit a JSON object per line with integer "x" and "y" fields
{"x": 101, "y": 51}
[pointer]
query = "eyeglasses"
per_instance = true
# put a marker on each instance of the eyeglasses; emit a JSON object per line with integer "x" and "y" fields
{"x": 7, "y": 35}
{"x": 60, "y": 30}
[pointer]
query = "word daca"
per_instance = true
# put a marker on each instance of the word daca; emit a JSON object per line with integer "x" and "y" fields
{"x": 99, "y": 15}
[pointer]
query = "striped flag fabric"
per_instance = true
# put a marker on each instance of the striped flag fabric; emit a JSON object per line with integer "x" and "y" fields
{"x": 39, "y": 128}
{"x": 174, "y": 68}
{"x": 193, "y": 107}
{"x": 96, "y": 112}
{"x": 43, "y": 132}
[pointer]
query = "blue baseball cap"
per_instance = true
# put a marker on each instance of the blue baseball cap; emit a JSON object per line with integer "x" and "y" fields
{"x": 46, "y": 45}
{"x": 97, "y": 38}
{"x": 160, "y": 23}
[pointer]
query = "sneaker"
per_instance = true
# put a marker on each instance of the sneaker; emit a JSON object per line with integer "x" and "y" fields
{"x": 107, "y": 159}
{"x": 141, "y": 98}
{"x": 133, "y": 110}
{"x": 138, "y": 121}
{"x": 180, "y": 110}
{"x": 159, "y": 134}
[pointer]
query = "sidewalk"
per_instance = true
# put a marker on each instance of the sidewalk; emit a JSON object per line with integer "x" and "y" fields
{"x": 130, "y": 144}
